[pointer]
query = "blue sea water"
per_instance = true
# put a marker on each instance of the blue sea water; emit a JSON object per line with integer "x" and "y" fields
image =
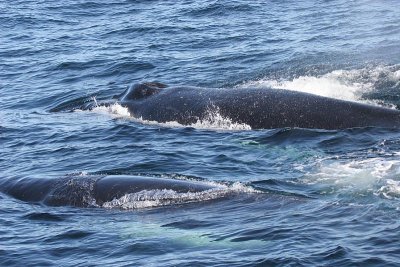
{"x": 301, "y": 197}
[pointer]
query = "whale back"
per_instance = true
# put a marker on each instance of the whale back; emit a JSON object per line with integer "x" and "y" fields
{"x": 142, "y": 90}
{"x": 86, "y": 191}
{"x": 259, "y": 108}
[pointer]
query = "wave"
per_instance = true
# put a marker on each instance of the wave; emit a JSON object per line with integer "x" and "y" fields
{"x": 217, "y": 9}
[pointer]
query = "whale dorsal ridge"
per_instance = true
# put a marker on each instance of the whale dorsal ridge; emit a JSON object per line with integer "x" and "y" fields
{"x": 142, "y": 90}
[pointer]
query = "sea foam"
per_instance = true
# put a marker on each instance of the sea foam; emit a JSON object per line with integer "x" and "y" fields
{"x": 164, "y": 197}
{"x": 362, "y": 177}
{"x": 213, "y": 119}
{"x": 340, "y": 84}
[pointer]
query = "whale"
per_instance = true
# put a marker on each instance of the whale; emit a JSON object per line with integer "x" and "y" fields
{"x": 259, "y": 108}
{"x": 92, "y": 190}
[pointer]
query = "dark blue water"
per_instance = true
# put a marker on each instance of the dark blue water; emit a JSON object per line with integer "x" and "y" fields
{"x": 302, "y": 197}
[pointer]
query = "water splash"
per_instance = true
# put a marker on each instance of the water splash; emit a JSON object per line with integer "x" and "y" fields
{"x": 164, "y": 197}
{"x": 115, "y": 110}
{"x": 375, "y": 176}
{"x": 340, "y": 84}
{"x": 213, "y": 119}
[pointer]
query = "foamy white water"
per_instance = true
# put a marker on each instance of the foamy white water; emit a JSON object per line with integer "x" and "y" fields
{"x": 377, "y": 176}
{"x": 164, "y": 197}
{"x": 340, "y": 84}
{"x": 213, "y": 120}
{"x": 115, "y": 110}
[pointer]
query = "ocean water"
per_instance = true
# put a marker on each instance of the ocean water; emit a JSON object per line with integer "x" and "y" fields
{"x": 286, "y": 197}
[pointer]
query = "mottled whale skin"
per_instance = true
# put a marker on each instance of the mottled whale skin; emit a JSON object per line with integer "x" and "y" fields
{"x": 260, "y": 108}
{"x": 84, "y": 191}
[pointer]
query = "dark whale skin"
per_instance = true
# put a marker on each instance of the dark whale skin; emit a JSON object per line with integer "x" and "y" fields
{"x": 110, "y": 187}
{"x": 85, "y": 191}
{"x": 260, "y": 108}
